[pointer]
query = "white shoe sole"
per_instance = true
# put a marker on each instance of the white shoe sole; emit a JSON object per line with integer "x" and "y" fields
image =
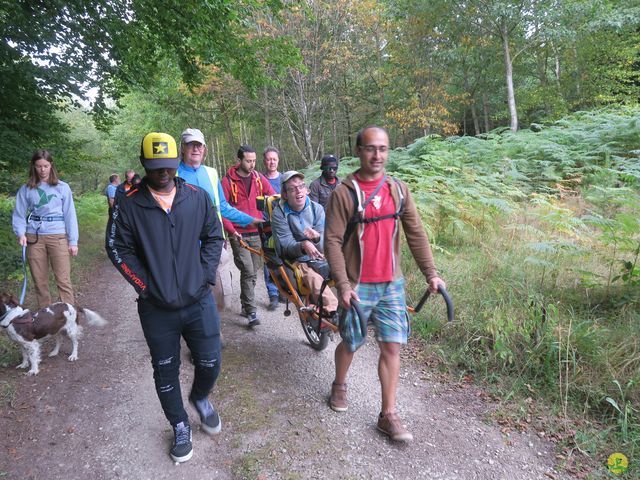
{"x": 404, "y": 438}
{"x": 212, "y": 430}
{"x": 181, "y": 459}
{"x": 337, "y": 409}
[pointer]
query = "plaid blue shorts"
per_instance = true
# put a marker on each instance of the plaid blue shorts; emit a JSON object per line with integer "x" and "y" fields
{"x": 384, "y": 305}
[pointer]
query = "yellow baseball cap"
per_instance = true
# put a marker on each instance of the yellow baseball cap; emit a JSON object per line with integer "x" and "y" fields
{"x": 159, "y": 150}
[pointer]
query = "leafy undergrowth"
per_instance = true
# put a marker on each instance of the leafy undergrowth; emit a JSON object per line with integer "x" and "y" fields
{"x": 538, "y": 237}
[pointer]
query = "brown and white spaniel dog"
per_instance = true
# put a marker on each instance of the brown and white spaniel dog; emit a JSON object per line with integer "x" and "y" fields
{"x": 27, "y": 328}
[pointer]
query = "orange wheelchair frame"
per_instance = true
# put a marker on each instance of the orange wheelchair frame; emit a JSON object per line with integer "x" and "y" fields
{"x": 318, "y": 325}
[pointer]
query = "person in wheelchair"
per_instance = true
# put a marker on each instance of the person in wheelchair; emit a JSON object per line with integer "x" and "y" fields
{"x": 297, "y": 224}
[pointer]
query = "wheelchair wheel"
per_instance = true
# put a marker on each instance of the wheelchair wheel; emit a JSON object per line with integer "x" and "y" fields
{"x": 318, "y": 341}
{"x": 309, "y": 322}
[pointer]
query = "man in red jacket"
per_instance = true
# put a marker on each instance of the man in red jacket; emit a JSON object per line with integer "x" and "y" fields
{"x": 241, "y": 185}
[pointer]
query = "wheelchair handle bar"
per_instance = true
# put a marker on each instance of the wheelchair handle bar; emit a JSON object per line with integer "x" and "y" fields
{"x": 445, "y": 296}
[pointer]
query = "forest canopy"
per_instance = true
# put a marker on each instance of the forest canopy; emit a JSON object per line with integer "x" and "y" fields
{"x": 303, "y": 75}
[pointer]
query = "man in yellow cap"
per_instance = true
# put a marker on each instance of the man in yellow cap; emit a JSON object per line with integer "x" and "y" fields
{"x": 165, "y": 238}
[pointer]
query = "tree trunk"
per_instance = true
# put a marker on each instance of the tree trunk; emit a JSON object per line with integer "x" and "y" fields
{"x": 464, "y": 123}
{"x": 304, "y": 123}
{"x": 556, "y": 70}
{"x": 474, "y": 115}
{"x": 485, "y": 112}
{"x": 347, "y": 116}
{"x": 217, "y": 160}
{"x": 267, "y": 116}
{"x": 228, "y": 129}
{"x": 508, "y": 66}
{"x": 334, "y": 121}
{"x": 471, "y": 92}
{"x": 381, "y": 106}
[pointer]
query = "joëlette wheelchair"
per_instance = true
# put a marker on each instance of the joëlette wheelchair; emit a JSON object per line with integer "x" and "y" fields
{"x": 318, "y": 324}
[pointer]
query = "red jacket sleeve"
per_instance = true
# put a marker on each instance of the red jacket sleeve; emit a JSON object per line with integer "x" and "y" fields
{"x": 228, "y": 226}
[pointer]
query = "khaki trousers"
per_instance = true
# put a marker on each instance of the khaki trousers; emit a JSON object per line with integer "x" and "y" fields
{"x": 249, "y": 265}
{"x": 52, "y": 249}
{"x": 223, "y": 288}
{"x": 313, "y": 281}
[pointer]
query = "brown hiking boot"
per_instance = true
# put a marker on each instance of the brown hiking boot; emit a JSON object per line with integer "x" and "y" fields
{"x": 338, "y": 400}
{"x": 392, "y": 426}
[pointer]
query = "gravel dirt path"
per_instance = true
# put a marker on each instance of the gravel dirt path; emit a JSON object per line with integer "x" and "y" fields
{"x": 99, "y": 418}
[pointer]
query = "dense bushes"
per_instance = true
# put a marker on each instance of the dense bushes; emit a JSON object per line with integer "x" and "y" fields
{"x": 538, "y": 237}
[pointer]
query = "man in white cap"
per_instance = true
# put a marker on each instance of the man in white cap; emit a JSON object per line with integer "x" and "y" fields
{"x": 165, "y": 238}
{"x": 193, "y": 151}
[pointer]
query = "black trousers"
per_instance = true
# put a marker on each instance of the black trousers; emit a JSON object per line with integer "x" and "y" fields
{"x": 199, "y": 325}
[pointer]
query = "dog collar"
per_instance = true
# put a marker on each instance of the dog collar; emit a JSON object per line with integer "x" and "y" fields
{"x": 28, "y": 319}
{"x": 24, "y": 321}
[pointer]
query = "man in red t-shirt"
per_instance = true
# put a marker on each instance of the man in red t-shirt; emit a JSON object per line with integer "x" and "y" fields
{"x": 377, "y": 284}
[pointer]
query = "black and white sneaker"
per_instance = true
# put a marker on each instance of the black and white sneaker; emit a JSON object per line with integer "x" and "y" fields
{"x": 253, "y": 319}
{"x": 209, "y": 418}
{"x": 182, "y": 448}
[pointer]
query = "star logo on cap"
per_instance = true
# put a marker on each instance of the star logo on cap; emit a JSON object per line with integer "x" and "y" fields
{"x": 160, "y": 148}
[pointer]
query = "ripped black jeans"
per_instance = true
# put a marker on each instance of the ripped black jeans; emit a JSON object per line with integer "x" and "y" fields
{"x": 199, "y": 324}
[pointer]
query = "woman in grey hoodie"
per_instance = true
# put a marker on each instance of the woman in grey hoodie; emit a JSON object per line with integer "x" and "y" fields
{"x": 44, "y": 220}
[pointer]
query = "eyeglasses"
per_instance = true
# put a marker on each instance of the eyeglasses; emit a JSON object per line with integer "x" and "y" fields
{"x": 374, "y": 149}
{"x": 195, "y": 145}
{"x": 298, "y": 188}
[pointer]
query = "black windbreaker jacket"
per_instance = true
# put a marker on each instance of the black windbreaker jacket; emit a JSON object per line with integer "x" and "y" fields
{"x": 169, "y": 258}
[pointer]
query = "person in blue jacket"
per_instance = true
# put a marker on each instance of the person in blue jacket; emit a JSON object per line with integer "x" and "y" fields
{"x": 165, "y": 238}
{"x": 193, "y": 151}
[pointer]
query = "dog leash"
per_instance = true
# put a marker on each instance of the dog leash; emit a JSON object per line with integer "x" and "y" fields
{"x": 24, "y": 273}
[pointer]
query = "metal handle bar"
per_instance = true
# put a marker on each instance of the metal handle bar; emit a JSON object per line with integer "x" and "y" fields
{"x": 445, "y": 296}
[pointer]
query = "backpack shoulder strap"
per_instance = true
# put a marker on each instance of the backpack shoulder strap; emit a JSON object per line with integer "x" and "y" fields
{"x": 233, "y": 187}
{"x": 258, "y": 183}
{"x": 398, "y": 185}
{"x": 355, "y": 217}
{"x": 212, "y": 174}
{"x": 358, "y": 214}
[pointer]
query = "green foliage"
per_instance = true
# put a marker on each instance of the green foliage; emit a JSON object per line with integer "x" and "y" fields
{"x": 11, "y": 259}
{"x": 626, "y": 415}
{"x": 538, "y": 238}
{"x": 54, "y": 53}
